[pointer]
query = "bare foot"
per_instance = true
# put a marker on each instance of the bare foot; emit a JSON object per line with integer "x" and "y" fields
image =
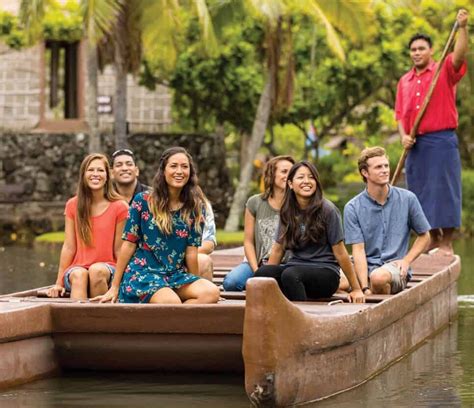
{"x": 444, "y": 254}
{"x": 432, "y": 247}
{"x": 447, "y": 249}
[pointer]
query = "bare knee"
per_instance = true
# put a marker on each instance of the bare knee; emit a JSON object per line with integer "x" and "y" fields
{"x": 380, "y": 280}
{"x": 78, "y": 276}
{"x": 166, "y": 296}
{"x": 98, "y": 274}
{"x": 209, "y": 294}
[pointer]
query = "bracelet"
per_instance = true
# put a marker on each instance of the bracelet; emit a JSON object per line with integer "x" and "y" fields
{"x": 365, "y": 288}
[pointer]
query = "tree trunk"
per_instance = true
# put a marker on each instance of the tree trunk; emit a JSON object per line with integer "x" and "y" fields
{"x": 91, "y": 98}
{"x": 246, "y": 169}
{"x": 120, "y": 108}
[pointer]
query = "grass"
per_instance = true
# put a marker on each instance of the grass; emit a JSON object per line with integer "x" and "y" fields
{"x": 229, "y": 238}
{"x": 223, "y": 237}
{"x": 51, "y": 237}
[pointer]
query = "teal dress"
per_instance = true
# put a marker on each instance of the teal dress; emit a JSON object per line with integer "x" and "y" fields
{"x": 159, "y": 260}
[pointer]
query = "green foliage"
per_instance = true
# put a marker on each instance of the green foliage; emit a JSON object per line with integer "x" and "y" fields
{"x": 10, "y": 31}
{"x": 223, "y": 89}
{"x": 468, "y": 201}
{"x": 60, "y": 23}
{"x": 63, "y": 23}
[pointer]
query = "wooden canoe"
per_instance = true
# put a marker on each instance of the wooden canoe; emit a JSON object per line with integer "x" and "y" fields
{"x": 291, "y": 353}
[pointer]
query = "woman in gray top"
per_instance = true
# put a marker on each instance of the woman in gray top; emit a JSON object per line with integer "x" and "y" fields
{"x": 261, "y": 221}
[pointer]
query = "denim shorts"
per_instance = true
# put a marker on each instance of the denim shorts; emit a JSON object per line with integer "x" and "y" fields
{"x": 67, "y": 274}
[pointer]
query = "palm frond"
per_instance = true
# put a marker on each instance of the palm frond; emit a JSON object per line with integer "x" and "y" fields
{"x": 161, "y": 27}
{"x": 99, "y": 17}
{"x": 269, "y": 11}
{"x": 31, "y": 14}
{"x": 225, "y": 12}
{"x": 207, "y": 29}
{"x": 353, "y": 17}
{"x": 312, "y": 9}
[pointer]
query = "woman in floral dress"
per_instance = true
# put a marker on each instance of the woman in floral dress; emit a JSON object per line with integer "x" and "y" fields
{"x": 158, "y": 259}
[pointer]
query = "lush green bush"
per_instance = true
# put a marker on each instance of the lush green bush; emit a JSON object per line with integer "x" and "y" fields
{"x": 468, "y": 201}
{"x": 10, "y": 32}
{"x": 62, "y": 22}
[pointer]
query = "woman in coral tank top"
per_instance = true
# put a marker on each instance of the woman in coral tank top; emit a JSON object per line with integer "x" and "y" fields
{"x": 95, "y": 218}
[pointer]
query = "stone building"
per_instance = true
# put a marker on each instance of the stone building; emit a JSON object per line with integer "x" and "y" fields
{"x": 43, "y": 89}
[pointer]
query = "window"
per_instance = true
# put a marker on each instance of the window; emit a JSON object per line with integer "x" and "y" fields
{"x": 61, "y": 85}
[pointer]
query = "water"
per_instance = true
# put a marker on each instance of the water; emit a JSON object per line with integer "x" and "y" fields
{"x": 440, "y": 373}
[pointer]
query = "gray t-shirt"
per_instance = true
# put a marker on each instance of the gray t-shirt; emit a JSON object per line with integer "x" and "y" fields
{"x": 266, "y": 223}
{"x": 321, "y": 253}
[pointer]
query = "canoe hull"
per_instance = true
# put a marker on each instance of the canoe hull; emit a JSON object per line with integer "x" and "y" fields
{"x": 305, "y": 357}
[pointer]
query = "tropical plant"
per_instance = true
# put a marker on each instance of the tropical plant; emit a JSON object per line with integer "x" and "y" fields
{"x": 351, "y": 17}
{"x": 149, "y": 28}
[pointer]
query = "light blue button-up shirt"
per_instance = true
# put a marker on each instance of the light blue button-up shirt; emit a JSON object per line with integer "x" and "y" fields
{"x": 384, "y": 229}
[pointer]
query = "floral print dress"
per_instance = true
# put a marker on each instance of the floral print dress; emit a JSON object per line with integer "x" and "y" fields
{"x": 159, "y": 260}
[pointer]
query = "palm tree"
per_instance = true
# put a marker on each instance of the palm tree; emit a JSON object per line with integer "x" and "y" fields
{"x": 98, "y": 17}
{"x": 350, "y": 16}
{"x": 149, "y": 27}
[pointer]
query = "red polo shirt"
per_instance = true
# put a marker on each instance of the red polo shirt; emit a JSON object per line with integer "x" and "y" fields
{"x": 441, "y": 112}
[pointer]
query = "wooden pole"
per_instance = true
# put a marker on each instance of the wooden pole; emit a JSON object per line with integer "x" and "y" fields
{"x": 414, "y": 129}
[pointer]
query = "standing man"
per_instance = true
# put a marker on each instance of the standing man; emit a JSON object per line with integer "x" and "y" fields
{"x": 377, "y": 223}
{"x": 433, "y": 166}
{"x": 125, "y": 175}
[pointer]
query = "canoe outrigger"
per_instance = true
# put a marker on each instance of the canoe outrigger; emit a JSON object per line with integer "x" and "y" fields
{"x": 291, "y": 352}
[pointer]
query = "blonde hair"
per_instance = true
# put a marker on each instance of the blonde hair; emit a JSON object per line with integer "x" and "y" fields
{"x": 367, "y": 154}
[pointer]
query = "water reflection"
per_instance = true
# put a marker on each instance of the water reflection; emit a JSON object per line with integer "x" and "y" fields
{"x": 426, "y": 378}
{"x": 83, "y": 389}
{"x": 440, "y": 373}
{"x": 27, "y": 268}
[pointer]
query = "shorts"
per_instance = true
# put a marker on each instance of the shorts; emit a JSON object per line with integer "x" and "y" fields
{"x": 67, "y": 282}
{"x": 397, "y": 283}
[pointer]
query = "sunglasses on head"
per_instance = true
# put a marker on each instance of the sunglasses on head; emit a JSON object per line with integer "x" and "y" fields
{"x": 119, "y": 152}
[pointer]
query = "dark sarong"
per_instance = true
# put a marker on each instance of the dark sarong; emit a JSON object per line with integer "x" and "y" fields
{"x": 433, "y": 173}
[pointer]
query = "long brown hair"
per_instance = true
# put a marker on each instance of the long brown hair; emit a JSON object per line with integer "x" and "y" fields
{"x": 84, "y": 196}
{"x": 191, "y": 195}
{"x": 300, "y": 226}
{"x": 269, "y": 174}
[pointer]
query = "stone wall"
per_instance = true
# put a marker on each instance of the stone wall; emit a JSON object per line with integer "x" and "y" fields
{"x": 39, "y": 172}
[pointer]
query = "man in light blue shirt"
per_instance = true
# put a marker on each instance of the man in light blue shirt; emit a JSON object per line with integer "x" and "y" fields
{"x": 207, "y": 245}
{"x": 377, "y": 223}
